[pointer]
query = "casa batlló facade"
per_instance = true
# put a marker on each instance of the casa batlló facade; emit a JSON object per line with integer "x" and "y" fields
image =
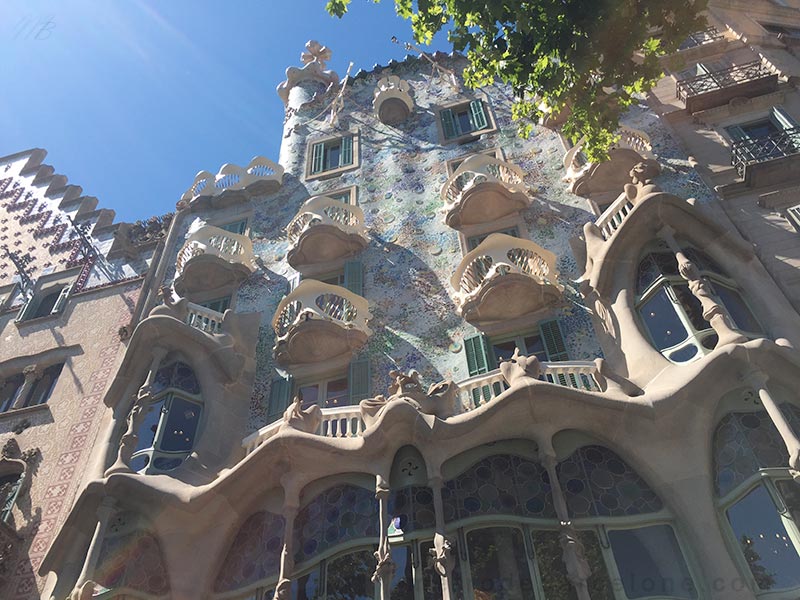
{"x": 417, "y": 357}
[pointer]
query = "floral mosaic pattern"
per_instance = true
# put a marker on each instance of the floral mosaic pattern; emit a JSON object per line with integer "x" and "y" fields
{"x": 339, "y": 514}
{"x": 414, "y": 507}
{"x": 176, "y": 375}
{"x": 255, "y": 553}
{"x": 598, "y": 483}
{"x": 503, "y": 484}
{"x": 747, "y": 442}
{"x": 133, "y": 561}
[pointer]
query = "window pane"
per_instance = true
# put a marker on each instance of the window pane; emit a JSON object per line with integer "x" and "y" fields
{"x": 549, "y": 558}
{"x": 691, "y": 306}
{"x": 431, "y": 580}
{"x": 349, "y": 577}
{"x": 498, "y": 565}
{"x": 306, "y": 587}
{"x": 333, "y": 154}
{"x": 661, "y": 320}
{"x": 790, "y": 492}
{"x": 147, "y": 430}
{"x": 504, "y": 350}
{"x": 766, "y": 547}
{"x": 309, "y": 394}
{"x": 650, "y": 563}
{"x": 338, "y": 393}
{"x": 8, "y": 393}
{"x": 402, "y": 586}
{"x": 737, "y": 308}
{"x": 534, "y": 346}
{"x": 181, "y": 426}
{"x": 464, "y": 123}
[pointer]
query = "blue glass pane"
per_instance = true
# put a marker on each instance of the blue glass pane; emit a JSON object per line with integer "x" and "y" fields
{"x": 149, "y": 425}
{"x": 413, "y": 507}
{"x": 763, "y": 540}
{"x": 306, "y": 587}
{"x": 178, "y": 375}
{"x": 683, "y": 354}
{"x": 181, "y": 426}
{"x": 349, "y": 577}
{"x": 661, "y": 320}
{"x": 254, "y": 554}
{"x": 498, "y": 566}
{"x": 167, "y": 463}
{"x": 650, "y": 563}
{"x": 402, "y": 585}
{"x": 737, "y": 308}
{"x": 597, "y": 482}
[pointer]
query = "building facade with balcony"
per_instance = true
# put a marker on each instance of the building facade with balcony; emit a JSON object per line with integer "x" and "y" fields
{"x": 420, "y": 358}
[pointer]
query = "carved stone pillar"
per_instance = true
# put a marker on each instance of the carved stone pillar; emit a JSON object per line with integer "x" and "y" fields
{"x": 127, "y": 443}
{"x": 713, "y": 312}
{"x": 442, "y": 552}
{"x": 578, "y": 569}
{"x": 32, "y": 374}
{"x": 384, "y": 570}
{"x": 291, "y": 503}
{"x": 105, "y": 511}
{"x": 758, "y": 379}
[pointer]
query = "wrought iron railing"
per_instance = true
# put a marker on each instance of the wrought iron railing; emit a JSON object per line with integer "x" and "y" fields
{"x": 700, "y": 38}
{"x": 777, "y": 145}
{"x": 725, "y": 78}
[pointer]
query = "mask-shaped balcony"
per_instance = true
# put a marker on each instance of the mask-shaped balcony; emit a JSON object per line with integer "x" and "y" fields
{"x": 481, "y": 190}
{"x": 505, "y": 278}
{"x": 234, "y": 183}
{"x": 392, "y": 102}
{"x": 213, "y": 259}
{"x": 324, "y": 231}
{"x": 319, "y": 322}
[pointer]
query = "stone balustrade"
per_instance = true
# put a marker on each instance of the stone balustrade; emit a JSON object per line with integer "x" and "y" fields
{"x": 204, "y": 319}
{"x": 613, "y": 216}
{"x": 483, "y": 189}
{"x": 210, "y": 240}
{"x": 480, "y": 389}
{"x": 339, "y": 422}
{"x": 261, "y": 175}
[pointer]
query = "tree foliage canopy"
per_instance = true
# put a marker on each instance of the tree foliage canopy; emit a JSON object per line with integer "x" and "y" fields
{"x": 590, "y": 56}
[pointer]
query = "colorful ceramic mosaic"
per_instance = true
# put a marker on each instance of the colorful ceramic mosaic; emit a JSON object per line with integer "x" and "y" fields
{"x": 255, "y": 553}
{"x": 134, "y": 561}
{"x": 339, "y": 514}
{"x": 598, "y": 483}
{"x": 747, "y": 442}
{"x": 413, "y": 506}
{"x": 503, "y": 484}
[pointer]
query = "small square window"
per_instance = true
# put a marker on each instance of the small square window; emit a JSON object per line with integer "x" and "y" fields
{"x": 332, "y": 156}
{"x": 463, "y": 122}
{"x": 48, "y": 301}
{"x": 476, "y": 240}
{"x": 346, "y": 195}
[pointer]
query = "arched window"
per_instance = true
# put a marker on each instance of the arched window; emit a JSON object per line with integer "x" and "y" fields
{"x": 758, "y": 498}
{"x": 168, "y": 428}
{"x": 673, "y": 316}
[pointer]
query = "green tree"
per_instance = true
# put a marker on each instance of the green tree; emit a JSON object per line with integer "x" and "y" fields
{"x": 590, "y": 56}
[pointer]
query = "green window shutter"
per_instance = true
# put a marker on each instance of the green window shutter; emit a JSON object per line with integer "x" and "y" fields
{"x": 359, "y": 380}
{"x": 553, "y": 339}
{"x": 279, "y": 394}
{"x": 781, "y": 118}
{"x": 317, "y": 158}
{"x": 354, "y": 276}
{"x": 479, "y": 358}
{"x": 448, "y": 124}
{"x": 346, "y": 153}
{"x": 61, "y": 303}
{"x": 477, "y": 115}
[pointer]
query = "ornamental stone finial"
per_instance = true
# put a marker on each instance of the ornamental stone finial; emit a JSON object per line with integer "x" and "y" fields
{"x": 315, "y": 60}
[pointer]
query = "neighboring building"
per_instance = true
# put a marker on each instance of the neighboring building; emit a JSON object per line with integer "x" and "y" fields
{"x": 422, "y": 358}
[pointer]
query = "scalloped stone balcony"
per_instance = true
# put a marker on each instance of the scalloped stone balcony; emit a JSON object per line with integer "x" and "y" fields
{"x": 483, "y": 189}
{"x": 319, "y": 322}
{"x": 392, "y": 102}
{"x": 323, "y": 232}
{"x": 234, "y": 183}
{"x": 213, "y": 259}
{"x": 505, "y": 278}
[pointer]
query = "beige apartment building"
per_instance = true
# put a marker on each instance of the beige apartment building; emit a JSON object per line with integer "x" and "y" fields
{"x": 417, "y": 357}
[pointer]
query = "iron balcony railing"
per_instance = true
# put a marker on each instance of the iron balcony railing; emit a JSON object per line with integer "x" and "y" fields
{"x": 726, "y": 78}
{"x": 777, "y": 145}
{"x": 699, "y": 38}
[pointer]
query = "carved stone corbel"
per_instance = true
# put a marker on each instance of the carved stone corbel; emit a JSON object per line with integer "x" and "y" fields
{"x": 296, "y": 417}
{"x": 520, "y": 370}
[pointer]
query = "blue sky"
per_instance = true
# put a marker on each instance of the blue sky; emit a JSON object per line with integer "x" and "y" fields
{"x": 131, "y": 98}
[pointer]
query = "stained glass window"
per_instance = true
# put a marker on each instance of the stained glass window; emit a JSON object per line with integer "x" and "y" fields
{"x": 412, "y": 508}
{"x": 498, "y": 565}
{"x": 598, "y": 483}
{"x": 349, "y": 577}
{"x": 176, "y": 375}
{"x": 255, "y": 553}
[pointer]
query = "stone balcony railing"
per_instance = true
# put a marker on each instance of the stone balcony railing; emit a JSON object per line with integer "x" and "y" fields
{"x": 319, "y": 322}
{"x": 717, "y": 88}
{"x": 483, "y": 189}
{"x": 260, "y": 176}
{"x": 339, "y": 422}
{"x": 325, "y": 230}
{"x": 770, "y": 159}
{"x": 204, "y": 319}
{"x": 505, "y": 278}
{"x": 213, "y": 259}
{"x": 480, "y": 389}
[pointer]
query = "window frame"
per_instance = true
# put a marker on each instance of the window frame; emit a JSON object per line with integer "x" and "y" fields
{"x": 28, "y": 313}
{"x": 351, "y": 191}
{"x": 453, "y": 164}
{"x": 464, "y": 137}
{"x": 327, "y": 143}
{"x": 322, "y": 388}
{"x": 245, "y": 228}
